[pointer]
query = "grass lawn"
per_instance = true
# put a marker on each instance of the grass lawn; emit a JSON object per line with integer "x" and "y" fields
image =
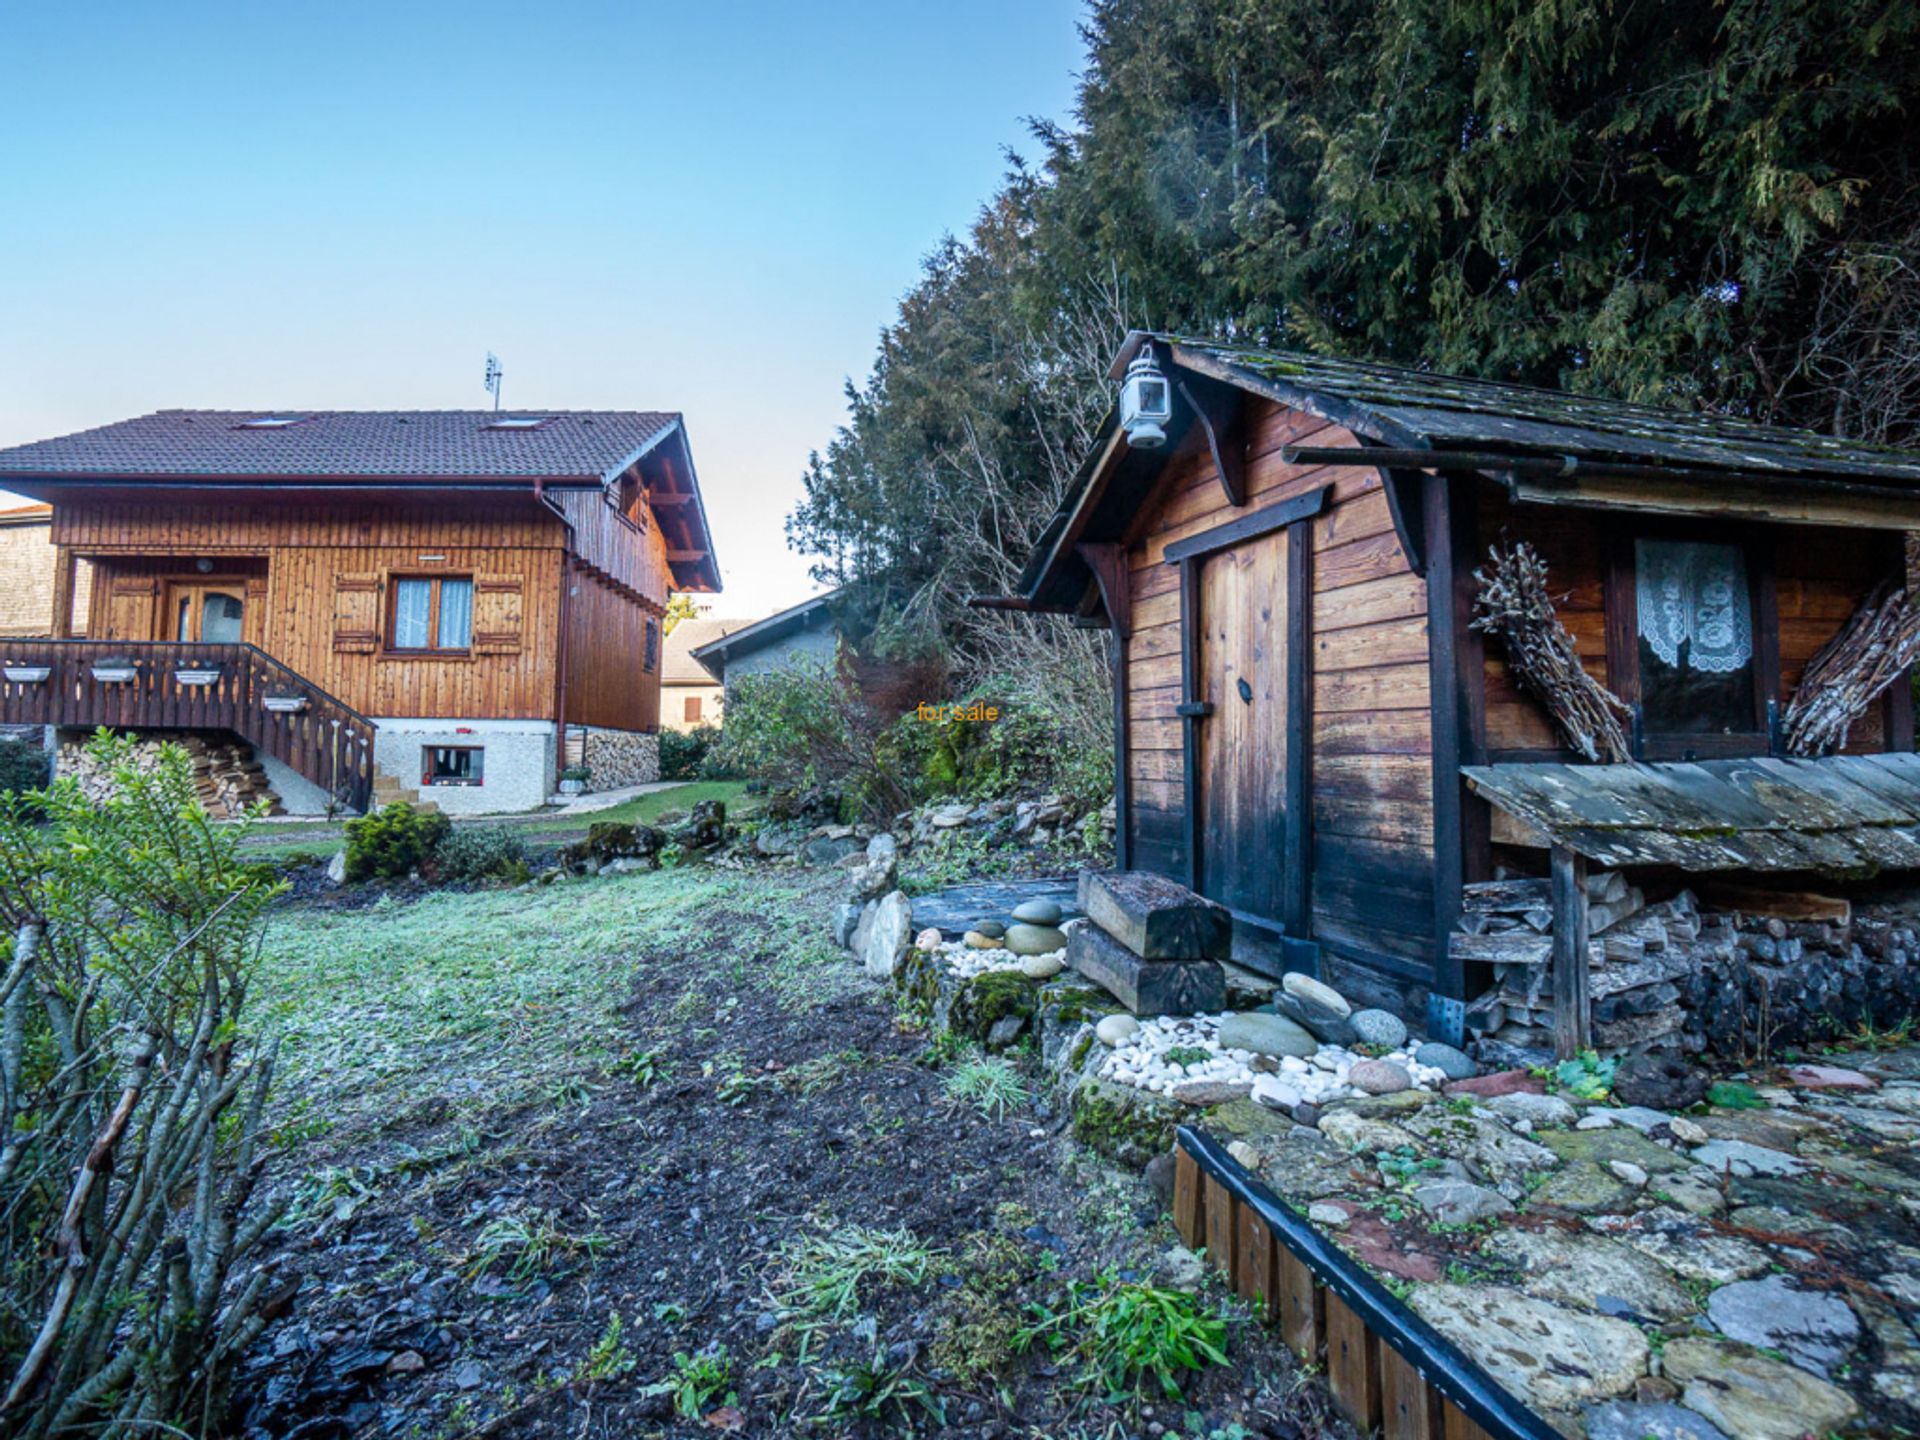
{"x": 296, "y": 840}
{"x": 482, "y": 998}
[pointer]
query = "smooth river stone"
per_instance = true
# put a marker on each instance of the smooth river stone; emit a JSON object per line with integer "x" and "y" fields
{"x": 1037, "y": 912}
{"x": 1117, "y": 1029}
{"x": 1379, "y": 1027}
{"x": 1314, "y": 993}
{"x": 1042, "y": 967}
{"x": 1265, "y": 1035}
{"x": 1379, "y": 1077}
{"x": 1025, "y": 939}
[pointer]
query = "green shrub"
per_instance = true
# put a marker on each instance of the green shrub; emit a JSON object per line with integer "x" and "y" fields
{"x": 683, "y": 753}
{"x": 481, "y": 852}
{"x": 393, "y": 841}
{"x": 806, "y": 729}
{"x": 23, "y": 766}
{"x": 1029, "y": 745}
{"x": 133, "y": 1099}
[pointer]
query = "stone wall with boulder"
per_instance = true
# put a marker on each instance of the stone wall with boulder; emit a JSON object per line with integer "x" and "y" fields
{"x": 1685, "y": 976}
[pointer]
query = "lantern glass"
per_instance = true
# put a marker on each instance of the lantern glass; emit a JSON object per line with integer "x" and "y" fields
{"x": 1146, "y": 404}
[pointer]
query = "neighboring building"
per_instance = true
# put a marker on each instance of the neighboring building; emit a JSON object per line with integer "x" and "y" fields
{"x": 1310, "y": 730}
{"x": 26, "y": 571}
{"x": 689, "y": 695}
{"x": 442, "y": 601}
{"x": 803, "y": 634}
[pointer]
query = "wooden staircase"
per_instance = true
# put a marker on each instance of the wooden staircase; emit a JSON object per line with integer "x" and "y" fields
{"x": 160, "y": 685}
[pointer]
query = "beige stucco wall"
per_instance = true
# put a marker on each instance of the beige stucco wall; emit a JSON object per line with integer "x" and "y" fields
{"x": 673, "y": 704}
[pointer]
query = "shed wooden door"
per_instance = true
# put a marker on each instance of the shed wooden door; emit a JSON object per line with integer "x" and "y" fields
{"x": 1242, "y": 761}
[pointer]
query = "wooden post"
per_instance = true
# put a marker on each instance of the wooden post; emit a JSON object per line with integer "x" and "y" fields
{"x": 63, "y": 568}
{"x": 1572, "y": 997}
{"x": 1353, "y": 1366}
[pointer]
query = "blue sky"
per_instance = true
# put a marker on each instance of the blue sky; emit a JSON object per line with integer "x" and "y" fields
{"x": 710, "y": 209}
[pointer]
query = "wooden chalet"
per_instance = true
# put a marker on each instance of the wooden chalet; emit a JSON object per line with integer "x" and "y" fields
{"x": 377, "y": 602}
{"x": 1310, "y": 730}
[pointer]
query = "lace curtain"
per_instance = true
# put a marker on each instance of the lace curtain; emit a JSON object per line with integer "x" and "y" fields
{"x": 1694, "y": 595}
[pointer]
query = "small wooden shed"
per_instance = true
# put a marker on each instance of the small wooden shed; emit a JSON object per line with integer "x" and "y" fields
{"x": 1289, "y": 582}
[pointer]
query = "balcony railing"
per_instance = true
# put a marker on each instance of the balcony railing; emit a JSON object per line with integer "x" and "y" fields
{"x": 158, "y": 685}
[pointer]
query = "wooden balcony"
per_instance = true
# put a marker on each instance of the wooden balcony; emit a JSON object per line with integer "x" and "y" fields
{"x": 83, "y": 684}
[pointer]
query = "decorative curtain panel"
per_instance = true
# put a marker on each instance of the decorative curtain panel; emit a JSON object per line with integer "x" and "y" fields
{"x": 412, "y": 601}
{"x": 1695, "y": 595}
{"x": 456, "y": 615}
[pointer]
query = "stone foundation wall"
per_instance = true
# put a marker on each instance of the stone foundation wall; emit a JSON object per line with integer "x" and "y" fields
{"x": 1677, "y": 975}
{"x": 619, "y": 758}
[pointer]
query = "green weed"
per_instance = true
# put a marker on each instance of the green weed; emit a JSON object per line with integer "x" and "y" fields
{"x": 824, "y": 1274}
{"x": 875, "y": 1389}
{"x": 1126, "y": 1334}
{"x": 697, "y": 1380}
{"x": 530, "y": 1244}
{"x": 990, "y": 1085}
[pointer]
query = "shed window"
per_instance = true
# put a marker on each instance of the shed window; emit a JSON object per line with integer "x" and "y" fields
{"x": 432, "y": 613}
{"x": 1695, "y": 618}
{"x": 452, "y": 764}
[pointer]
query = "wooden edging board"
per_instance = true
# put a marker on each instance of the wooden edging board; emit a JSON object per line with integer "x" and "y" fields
{"x": 1388, "y": 1369}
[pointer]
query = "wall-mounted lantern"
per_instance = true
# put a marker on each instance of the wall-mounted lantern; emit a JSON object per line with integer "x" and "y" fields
{"x": 1146, "y": 403}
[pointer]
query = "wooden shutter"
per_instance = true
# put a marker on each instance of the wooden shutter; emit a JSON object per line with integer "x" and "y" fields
{"x": 497, "y": 622}
{"x": 356, "y": 613}
{"x": 130, "y": 605}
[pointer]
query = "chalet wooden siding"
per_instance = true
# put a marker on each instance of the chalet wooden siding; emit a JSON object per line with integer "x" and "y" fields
{"x": 320, "y": 588}
{"x": 1819, "y": 575}
{"x": 1371, "y": 861}
{"x": 628, "y": 553}
{"x": 614, "y": 690}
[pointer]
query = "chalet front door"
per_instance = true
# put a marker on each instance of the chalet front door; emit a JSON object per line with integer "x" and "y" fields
{"x": 211, "y": 612}
{"x": 1246, "y": 733}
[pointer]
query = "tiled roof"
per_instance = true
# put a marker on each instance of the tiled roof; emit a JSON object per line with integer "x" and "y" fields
{"x": 678, "y": 663}
{"x": 26, "y": 514}
{"x": 370, "y": 444}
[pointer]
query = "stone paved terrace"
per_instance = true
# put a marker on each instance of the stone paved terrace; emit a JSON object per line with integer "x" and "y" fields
{"x": 1747, "y": 1269}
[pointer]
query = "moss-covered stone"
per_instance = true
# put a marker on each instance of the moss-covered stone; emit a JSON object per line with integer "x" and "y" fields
{"x": 977, "y": 1005}
{"x": 1126, "y": 1125}
{"x": 916, "y": 983}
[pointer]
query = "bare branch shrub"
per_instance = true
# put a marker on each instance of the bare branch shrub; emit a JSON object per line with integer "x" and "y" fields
{"x": 130, "y": 1105}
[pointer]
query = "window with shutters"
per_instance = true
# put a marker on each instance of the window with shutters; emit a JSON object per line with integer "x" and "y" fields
{"x": 429, "y": 614}
{"x": 691, "y": 711}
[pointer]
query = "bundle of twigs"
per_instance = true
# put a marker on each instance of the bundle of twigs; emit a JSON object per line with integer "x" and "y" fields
{"x": 1873, "y": 650}
{"x": 1514, "y": 604}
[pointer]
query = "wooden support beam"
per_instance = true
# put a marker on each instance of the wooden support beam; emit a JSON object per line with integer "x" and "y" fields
{"x": 63, "y": 581}
{"x": 1108, "y": 563}
{"x": 1220, "y": 409}
{"x": 1572, "y": 998}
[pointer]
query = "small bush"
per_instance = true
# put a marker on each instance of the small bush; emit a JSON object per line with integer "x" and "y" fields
{"x": 684, "y": 753}
{"x": 481, "y": 852}
{"x": 23, "y": 766}
{"x": 1126, "y": 1334}
{"x": 393, "y": 841}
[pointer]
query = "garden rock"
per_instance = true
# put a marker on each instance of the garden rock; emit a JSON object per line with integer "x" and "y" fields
{"x": 1815, "y": 1329}
{"x": 1548, "y": 1356}
{"x": 1004, "y": 1031}
{"x": 1752, "y": 1397}
{"x": 846, "y": 919}
{"x": 1037, "y": 912}
{"x": 1744, "y": 1159}
{"x": 1828, "y": 1077}
{"x": 1500, "y": 1082}
{"x": 875, "y": 878}
{"x": 1486, "y": 1146}
{"x": 1024, "y": 939}
{"x": 1379, "y": 1027}
{"x": 1450, "y": 1062}
{"x": 772, "y": 842}
{"x": 1304, "y": 1165}
{"x": 1266, "y": 1035}
{"x": 830, "y": 849}
{"x": 1659, "y": 1083}
{"x": 1042, "y": 967}
{"x": 1379, "y": 1077}
{"x": 1694, "y": 1252}
{"x": 1210, "y": 1092}
{"x": 1355, "y": 1133}
{"x": 883, "y": 847}
{"x": 1637, "y": 1117}
{"x": 992, "y": 929}
{"x": 1306, "y": 988}
{"x": 1324, "y": 1024}
{"x": 706, "y": 826}
{"x": 881, "y": 937}
{"x": 980, "y": 940}
{"x": 1578, "y": 1269}
{"x": 1459, "y": 1202}
{"x": 1629, "y": 1172}
{"x": 1624, "y": 1420}
{"x": 1616, "y": 1143}
{"x": 1116, "y": 1029}
{"x": 1538, "y": 1109}
{"x": 1583, "y": 1188}
{"x": 337, "y": 868}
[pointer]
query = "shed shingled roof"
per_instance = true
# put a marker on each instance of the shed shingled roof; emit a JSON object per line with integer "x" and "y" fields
{"x": 349, "y": 444}
{"x": 1840, "y": 814}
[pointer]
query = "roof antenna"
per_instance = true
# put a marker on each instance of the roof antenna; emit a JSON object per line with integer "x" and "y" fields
{"x": 494, "y": 376}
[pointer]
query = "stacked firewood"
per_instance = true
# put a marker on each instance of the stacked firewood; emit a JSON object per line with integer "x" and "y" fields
{"x": 1677, "y": 974}
{"x": 226, "y": 776}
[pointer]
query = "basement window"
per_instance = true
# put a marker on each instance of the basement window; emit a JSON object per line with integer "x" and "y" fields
{"x": 452, "y": 764}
